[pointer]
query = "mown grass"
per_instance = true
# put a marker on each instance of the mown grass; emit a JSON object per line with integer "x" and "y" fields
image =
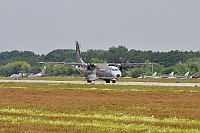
{"x": 44, "y": 107}
{"x": 99, "y": 122}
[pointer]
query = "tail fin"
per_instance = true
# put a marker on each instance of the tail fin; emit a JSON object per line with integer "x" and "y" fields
{"x": 78, "y": 54}
{"x": 171, "y": 74}
{"x": 154, "y": 74}
{"x": 43, "y": 70}
{"x": 42, "y": 73}
{"x": 187, "y": 74}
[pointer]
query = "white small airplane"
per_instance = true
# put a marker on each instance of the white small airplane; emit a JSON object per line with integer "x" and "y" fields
{"x": 20, "y": 75}
{"x": 40, "y": 74}
{"x": 171, "y": 75}
{"x": 29, "y": 75}
{"x": 184, "y": 76}
{"x": 152, "y": 76}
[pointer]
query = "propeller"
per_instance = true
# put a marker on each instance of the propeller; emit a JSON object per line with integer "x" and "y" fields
{"x": 90, "y": 66}
{"x": 121, "y": 66}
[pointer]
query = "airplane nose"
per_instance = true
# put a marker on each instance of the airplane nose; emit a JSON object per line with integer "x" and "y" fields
{"x": 118, "y": 75}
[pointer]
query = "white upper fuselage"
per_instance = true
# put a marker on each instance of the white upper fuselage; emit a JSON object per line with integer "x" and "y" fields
{"x": 115, "y": 72}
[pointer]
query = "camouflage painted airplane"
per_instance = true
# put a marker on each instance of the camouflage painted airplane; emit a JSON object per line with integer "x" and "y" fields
{"x": 108, "y": 72}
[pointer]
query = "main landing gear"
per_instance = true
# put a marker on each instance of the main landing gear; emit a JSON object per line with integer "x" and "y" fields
{"x": 108, "y": 81}
{"x": 89, "y": 81}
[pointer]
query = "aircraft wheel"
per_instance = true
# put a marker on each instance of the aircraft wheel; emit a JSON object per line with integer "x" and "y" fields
{"x": 114, "y": 81}
{"x": 89, "y": 81}
{"x": 107, "y": 81}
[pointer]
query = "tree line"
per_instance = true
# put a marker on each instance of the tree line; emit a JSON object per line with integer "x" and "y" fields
{"x": 27, "y": 62}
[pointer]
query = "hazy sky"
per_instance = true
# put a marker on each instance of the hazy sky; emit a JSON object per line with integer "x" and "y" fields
{"x": 45, "y": 25}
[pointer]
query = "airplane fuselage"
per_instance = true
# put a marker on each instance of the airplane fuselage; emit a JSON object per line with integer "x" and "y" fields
{"x": 101, "y": 71}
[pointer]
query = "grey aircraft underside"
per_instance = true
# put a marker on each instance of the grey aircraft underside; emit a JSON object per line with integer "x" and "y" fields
{"x": 91, "y": 71}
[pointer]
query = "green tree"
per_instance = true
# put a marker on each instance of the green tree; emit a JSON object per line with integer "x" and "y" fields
{"x": 15, "y": 67}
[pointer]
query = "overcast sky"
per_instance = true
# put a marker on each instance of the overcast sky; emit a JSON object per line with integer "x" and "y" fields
{"x": 45, "y": 25}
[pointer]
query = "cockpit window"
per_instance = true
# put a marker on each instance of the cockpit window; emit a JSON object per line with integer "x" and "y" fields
{"x": 115, "y": 69}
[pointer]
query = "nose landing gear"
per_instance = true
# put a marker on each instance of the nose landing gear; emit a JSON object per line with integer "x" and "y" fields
{"x": 108, "y": 81}
{"x": 114, "y": 81}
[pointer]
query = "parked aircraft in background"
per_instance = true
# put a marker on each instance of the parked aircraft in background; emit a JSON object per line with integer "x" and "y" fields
{"x": 108, "y": 72}
{"x": 20, "y": 75}
{"x": 171, "y": 75}
{"x": 29, "y": 75}
{"x": 195, "y": 76}
{"x": 184, "y": 76}
{"x": 152, "y": 76}
{"x": 40, "y": 74}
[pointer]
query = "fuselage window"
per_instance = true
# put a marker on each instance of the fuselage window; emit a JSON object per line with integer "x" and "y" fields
{"x": 102, "y": 70}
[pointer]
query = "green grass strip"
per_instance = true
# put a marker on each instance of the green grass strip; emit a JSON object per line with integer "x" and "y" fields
{"x": 94, "y": 125}
{"x": 99, "y": 120}
{"x": 117, "y": 117}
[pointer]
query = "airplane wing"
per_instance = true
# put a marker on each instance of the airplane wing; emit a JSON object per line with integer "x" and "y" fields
{"x": 138, "y": 64}
{"x": 63, "y": 63}
{"x": 130, "y": 64}
{"x": 121, "y": 66}
{"x": 124, "y": 65}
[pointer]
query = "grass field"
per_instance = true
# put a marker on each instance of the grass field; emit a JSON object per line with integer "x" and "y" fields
{"x": 44, "y": 107}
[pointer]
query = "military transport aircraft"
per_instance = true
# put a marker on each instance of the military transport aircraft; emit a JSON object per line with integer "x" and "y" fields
{"x": 108, "y": 72}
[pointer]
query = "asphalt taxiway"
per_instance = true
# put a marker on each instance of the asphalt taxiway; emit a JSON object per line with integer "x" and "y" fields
{"x": 102, "y": 82}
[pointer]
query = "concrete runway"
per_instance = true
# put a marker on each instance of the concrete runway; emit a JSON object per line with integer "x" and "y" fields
{"x": 102, "y": 82}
